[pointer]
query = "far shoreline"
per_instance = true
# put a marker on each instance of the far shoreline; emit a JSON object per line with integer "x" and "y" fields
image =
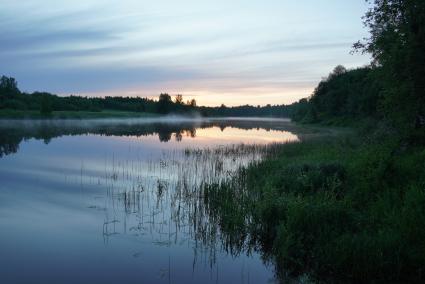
{"x": 11, "y": 114}
{"x": 6, "y": 114}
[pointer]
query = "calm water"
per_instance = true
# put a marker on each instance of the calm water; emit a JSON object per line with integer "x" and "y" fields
{"x": 120, "y": 201}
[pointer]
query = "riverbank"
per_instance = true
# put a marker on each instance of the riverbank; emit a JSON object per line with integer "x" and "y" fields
{"x": 342, "y": 209}
{"x": 28, "y": 114}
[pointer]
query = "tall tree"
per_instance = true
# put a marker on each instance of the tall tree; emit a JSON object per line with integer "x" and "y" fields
{"x": 8, "y": 86}
{"x": 397, "y": 44}
{"x": 192, "y": 103}
{"x": 164, "y": 103}
{"x": 179, "y": 99}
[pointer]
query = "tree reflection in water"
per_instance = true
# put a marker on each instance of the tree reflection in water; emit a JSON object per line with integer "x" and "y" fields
{"x": 13, "y": 132}
{"x": 176, "y": 199}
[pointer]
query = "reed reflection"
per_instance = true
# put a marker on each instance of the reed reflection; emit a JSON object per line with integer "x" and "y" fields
{"x": 169, "y": 201}
{"x": 140, "y": 191}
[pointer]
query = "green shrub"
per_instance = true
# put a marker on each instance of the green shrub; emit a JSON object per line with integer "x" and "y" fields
{"x": 341, "y": 210}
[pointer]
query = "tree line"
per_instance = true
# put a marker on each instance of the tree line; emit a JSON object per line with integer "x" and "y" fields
{"x": 344, "y": 94}
{"x": 391, "y": 89}
{"x": 12, "y": 98}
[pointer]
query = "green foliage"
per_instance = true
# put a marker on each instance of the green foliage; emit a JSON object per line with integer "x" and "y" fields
{"x": 8, "y": 87}
{"x": 351, "y": 210}
{"x": 46, "y": 106}
{"x": 9, "y": 93}
{"x": 397, "y": 44}
{"x": 248, "y": 111}
{"x": 392, "y": 89}
{"x": 36, "y": 114}
{"x": 164, "y": 103}
{"x": 340, "y": 209}
{"x": 11, "y": 98}
{"x": 345, "y": 95}
{"x": 14, "y": 104}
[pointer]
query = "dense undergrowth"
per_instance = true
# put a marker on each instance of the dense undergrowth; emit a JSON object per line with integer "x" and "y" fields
{"x": 338, "y": 209}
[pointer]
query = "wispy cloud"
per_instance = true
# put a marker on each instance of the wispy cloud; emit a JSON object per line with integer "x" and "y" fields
{"x": 271, "y": 52}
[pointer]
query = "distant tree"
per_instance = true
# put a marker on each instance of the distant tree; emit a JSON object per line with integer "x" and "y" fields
{"x": 8, "y": 83}
{"x": 12, "y": 98}
{"x": 192, "y": 103}
{"x": 164, "y": 103}
{"x": 8, "y": 87}
{"x": 179, "y": 99}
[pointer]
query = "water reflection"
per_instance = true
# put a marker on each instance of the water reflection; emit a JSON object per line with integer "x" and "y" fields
{"x": 13, "y": 132}
{"x": 105, "y": 201}
{"x": 164, "y": 201}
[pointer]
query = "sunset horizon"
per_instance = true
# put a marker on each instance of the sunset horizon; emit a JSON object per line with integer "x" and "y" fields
{"x": 232, "y": 54}
{"x": 212, "y": 142}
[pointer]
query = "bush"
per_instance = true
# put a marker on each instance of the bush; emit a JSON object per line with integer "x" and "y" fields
{"x": 340, "y": 210}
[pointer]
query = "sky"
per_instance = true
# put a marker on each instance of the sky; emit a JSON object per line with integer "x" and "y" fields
{"x": 232, "y": 52}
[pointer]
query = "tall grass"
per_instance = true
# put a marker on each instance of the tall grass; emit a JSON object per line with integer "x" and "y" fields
{"x": 163, "y": 198}
{"x": 339, "y": 210}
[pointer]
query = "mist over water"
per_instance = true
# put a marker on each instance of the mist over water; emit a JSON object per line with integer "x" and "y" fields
{"x": 121, "y": 201}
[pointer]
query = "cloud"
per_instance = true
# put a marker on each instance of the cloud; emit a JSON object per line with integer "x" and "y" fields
{"x": 277, "y": 51}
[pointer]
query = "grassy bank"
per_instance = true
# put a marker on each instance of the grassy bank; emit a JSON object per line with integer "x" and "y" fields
{"x": 28, "y": 114}
{"x": 340, "y": 209}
